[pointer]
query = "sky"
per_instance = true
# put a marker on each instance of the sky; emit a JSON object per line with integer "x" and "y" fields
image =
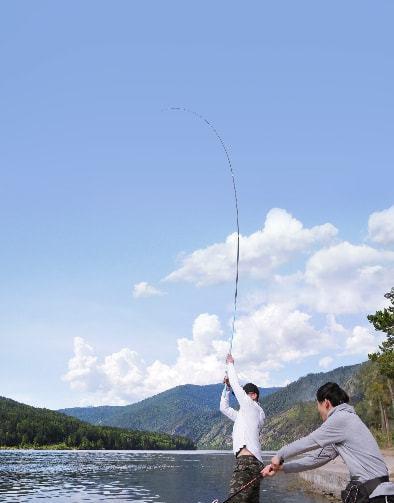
{"x": 117, "y": 218}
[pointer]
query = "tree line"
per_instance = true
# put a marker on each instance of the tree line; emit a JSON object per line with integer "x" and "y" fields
{"x": 23, "y": 426}
{"x": 377, "y": 407}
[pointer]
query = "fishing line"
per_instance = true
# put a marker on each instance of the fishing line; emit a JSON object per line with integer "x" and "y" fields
{"x": 201, "y": 117}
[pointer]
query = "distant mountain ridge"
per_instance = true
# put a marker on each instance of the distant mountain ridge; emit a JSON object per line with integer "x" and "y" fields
{"x": 193, "y": 411}
{"x": 304, "y": 389}
{"x": 188, "y": 410}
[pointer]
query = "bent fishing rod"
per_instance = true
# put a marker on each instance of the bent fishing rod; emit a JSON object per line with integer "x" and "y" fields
{"x": 223, "y": 145}
{"x": 245, "y": 486}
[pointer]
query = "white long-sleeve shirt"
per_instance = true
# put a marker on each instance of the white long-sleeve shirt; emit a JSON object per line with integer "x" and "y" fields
{"x": 248, "y": 420}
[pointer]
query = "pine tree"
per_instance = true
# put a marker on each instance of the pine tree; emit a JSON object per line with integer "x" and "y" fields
{"x": 383, "y": 321}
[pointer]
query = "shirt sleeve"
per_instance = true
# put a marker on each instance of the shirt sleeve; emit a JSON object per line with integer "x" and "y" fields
{"x": 225, "y": 405}
{"x": 332, "y": 431}
{"x": 300, "y": 446}
{"x": 239, "y": 393}
{"x": 312, "y": 460}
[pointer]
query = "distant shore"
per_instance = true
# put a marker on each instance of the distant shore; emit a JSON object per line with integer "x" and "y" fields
{"x": 332, "y": 478}
{"x": 65, "y": 447}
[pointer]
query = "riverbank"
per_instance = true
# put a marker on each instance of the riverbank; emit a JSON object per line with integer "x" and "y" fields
{"x": 331, "y": 478}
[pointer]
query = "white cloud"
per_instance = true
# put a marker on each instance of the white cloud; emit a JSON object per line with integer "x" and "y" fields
{"x": 338, "y": 278}
{"x": 265, "y": 340}
{"x": 326, "y": 362}
{"x": 276, "y": 334}
{"x": 82, "y": 367}
{"x": 144, "y": 289}
{"x": 361, "y": 341}
{"x": 262, "y": 252}
{"x": 280, "y": 322}
{"x": 123, "y": 377}
{"x": 381, "y": 226}
{"x": 346, "y": 278}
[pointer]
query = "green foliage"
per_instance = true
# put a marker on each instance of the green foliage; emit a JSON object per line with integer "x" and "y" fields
{"x": 25, "y": 426}
{"x": 290, "y": 425}
{"x": 383, "y": 321}
{"x": 375, "y": 408}
{"x": 188, "y": 410}
{"x": 379, "y": 386}
{"x": 193, "y": 411}
{"x": 304, "y": 389}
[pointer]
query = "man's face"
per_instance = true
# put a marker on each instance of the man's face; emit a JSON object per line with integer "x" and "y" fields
{"x": 324, "y": 408}
{"x": 253, "y": 396}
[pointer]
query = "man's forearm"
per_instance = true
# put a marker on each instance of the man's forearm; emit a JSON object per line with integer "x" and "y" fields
{"x": 234, "y": 383}
{"x": 300, "y": 446}
{"x": 310, "y": 462}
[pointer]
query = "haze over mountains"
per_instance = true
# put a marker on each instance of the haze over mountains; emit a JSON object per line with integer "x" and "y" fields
{"x": 193, "y": 411}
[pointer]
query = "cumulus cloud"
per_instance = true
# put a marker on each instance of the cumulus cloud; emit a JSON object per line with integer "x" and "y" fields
{"x": 361, "y": 341}
{"x": 282, "y": 237}
{"x": 82, "y": 367}
{"x": 337, "y": 277}
{"x": 144, "y": 289}
{"x": 347, "y": 278}
{"x": 281, "y": 321}
{"x": 326, "y": 362}
{"x": 266, "y": 339}
{"x": 276, "y": 334}
{"x": 358, "y": 340}
{"x": 124, "y": 377}
{"x": 381, "y": 226}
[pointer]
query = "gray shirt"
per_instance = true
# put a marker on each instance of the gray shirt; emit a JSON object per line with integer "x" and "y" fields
{"x": 344, "y": 434}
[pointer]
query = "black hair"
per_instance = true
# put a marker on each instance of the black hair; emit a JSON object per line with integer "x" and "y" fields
{"x": 333, "y": 392}
{"x": 251, "y": 388}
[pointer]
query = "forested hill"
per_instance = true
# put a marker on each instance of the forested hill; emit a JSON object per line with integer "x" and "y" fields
{"x": 25, "y": 426}
{"x": 187, "y": 410}
{"x": 166, "y": 411}
{"x": 304, "y": 389}
{"x": 193, "y": 411}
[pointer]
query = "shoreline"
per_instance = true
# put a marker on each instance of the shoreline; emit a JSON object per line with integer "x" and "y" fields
{"x": 333, "y": 477}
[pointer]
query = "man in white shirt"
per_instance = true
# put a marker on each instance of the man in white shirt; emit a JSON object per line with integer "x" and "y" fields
{"x": 248, "y": 421}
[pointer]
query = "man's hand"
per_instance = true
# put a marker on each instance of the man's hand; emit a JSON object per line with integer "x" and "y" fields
{"x": 229, "y": 358}
{"x": 268, "y": 471}
{"x": 276, "y": 463}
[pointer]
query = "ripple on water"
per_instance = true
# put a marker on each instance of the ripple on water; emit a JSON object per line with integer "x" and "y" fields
{"x": 126, "y": 476}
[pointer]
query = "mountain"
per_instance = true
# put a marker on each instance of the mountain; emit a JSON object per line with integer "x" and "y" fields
{"x": 187, "y": 410}
{"x": 193, "y": 411}
{"x": 304, "y": 389}
{"x": 25, "y": 426}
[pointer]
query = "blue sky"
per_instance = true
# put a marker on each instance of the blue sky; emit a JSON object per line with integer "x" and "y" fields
{"x": 102, "y": 188}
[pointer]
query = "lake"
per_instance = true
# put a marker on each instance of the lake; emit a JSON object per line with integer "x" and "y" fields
{"x": 127, "y": 476}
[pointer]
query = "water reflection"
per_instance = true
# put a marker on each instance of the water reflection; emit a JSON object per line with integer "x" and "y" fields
{"x": 128, "y": 476}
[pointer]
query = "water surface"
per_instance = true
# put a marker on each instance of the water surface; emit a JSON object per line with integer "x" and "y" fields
{"x": 127, "y": 476}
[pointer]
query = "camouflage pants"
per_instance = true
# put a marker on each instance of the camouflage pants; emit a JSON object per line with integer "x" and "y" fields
{"x": 246, "y": 468}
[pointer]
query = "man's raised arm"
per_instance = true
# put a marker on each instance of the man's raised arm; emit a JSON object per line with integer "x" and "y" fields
{"x": 239, "y": 393}
{"x": 225, "y": 403}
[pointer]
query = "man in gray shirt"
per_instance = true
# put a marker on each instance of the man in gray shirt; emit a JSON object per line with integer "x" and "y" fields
{"x": 341, "y": 434}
